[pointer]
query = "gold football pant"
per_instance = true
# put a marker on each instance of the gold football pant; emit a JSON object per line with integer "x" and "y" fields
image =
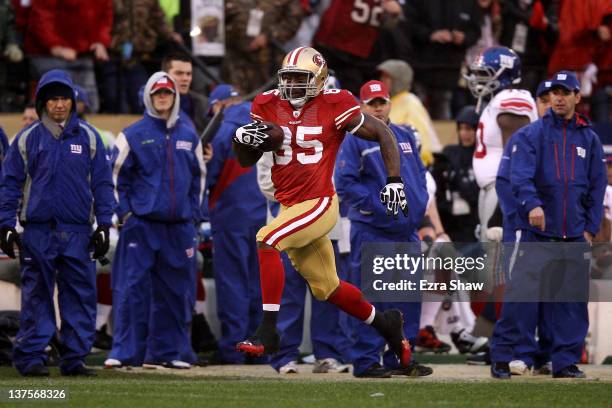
{"x": 301, "y": 230}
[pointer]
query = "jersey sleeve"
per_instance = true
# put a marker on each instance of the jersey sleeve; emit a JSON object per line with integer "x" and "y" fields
{"x": 517, "y": 104}
{"x": 258, "y": 111}
{"x": 345, "y": 108}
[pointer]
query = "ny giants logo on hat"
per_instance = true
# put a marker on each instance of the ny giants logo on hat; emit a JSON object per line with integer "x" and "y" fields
{"x": 375, "y": 88}
{"x": 163, "y": 83}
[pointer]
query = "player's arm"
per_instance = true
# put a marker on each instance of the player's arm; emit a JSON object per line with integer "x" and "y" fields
{"x": 509, "y": 123}
{"x": 247, "y": 156}
{"x": 369, "y": 128}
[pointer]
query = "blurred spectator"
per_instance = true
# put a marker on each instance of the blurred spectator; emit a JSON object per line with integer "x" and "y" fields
{"x": 457, "y": 193}
{"x": 69, "y": 35}
{"x": 4, "y": 145}
{"x": 543, "y": 97}
{"x": 601, "y": 101}
{"x": 253, "y": 34}
{"x": 581, "y": 23}
{"x": 194, "y": 104}
{"x": 139, "y": 26}
{"x": 442, "y": 31}
{"x": 490, "y": 27}
{"x": 347, "y": 36}
{"x": 530, "y": 29}
{"x": 10, "y": 51}
{"x": 406, "y": 107}
{"x": 29, "y": 115}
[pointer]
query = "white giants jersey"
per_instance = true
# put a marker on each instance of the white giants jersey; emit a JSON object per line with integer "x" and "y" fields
{"x": 489, "y": 141}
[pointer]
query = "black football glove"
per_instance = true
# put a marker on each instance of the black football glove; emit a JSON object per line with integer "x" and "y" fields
{"x": 253, "y": 135}
{"x": 100, "y": 241}
{"x": 394, "y": 197}
{"x": 8, "y": 239}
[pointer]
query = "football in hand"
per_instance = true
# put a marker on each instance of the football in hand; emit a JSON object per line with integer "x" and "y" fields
{"x": 275, "y": 141}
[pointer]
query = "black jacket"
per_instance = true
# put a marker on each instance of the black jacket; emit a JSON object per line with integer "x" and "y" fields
{"x": 438, "y": 64}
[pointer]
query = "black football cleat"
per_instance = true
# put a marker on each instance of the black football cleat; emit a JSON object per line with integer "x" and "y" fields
{"x": 414, "y": 369}
{"x": 569, "y": 372}
{"x": 375, "y": 371}
{"x": 501, "y": 371}
{"x": 259, "y": 344}
{"x": 393, "y": 332}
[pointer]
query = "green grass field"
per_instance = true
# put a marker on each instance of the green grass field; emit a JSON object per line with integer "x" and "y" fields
{"x": 119, "y": 389}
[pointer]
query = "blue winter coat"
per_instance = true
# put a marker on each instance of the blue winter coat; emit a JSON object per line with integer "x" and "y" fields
{"x": 235, "y": 198}
{"x": 64, "y": 180}
{"x": 559, "y": 165}
{"x": 158, "y": 167}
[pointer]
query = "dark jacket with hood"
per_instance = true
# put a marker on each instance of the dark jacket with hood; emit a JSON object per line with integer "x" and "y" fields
{"x": 57, "y": 175}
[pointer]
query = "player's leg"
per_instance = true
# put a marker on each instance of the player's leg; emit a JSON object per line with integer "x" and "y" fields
{"x": 315, "y": 262}
{"x": 295, "y": 226}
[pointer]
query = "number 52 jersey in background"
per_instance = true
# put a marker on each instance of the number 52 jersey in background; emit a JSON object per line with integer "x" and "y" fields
{"x": 304, "y": 165}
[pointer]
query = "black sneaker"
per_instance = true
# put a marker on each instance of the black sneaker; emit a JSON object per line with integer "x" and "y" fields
{"x": 569, "y": 372}
{"x": 483, "y": 358}
{"x": 466, "y": 342}
{"x": 37, "y": 370}
{"x": 262, "y": 342}
{"x": 375, "y": 371}
{"x": 392, "y": 329}
{"x": 414, "y": 369}
{"x": 501, "y": 371}
{"x": 79, "y": 371}
{"x": 102, "y": 340}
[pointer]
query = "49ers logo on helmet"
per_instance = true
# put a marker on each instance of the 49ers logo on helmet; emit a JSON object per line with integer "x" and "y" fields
{"x": 318, "y": 60}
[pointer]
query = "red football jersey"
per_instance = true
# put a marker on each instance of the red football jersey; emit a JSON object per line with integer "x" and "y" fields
{"x": 304, "y": 165}
{"x": 351, "y": 26}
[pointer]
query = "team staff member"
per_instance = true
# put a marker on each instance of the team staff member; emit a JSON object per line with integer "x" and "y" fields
{"x": 56, "y": 173}
{"x": 159, "y": 176}
{"x": 359, "y": 175}
{"x": 507, "y": 344}
{"x": 558, "y": 179}
{"x": 234, "y": 222}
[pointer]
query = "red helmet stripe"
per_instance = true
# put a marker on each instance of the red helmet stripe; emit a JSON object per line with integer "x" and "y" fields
{"x": 296, "y": 54}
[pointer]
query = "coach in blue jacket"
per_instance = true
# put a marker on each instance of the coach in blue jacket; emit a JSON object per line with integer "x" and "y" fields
{"x": 237, "y": 211}
{"x": 558, "y": 179}
{"x": 159, "y": 176}
{"x": 359, "y": 176}
{"x": 57, "y": 176}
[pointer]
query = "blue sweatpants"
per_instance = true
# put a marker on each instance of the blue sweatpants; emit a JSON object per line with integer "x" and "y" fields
{"x": 151, "y": 281}
{"x": 327, "y": 322}
{"x": 236, "y": 268}
{"x": 50, "y": 255}
{"x": 562, "y": 325}
{"x": 369, "y": 345}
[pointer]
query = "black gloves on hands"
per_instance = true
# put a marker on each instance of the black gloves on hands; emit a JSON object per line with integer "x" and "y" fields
{"x": 394, "y": 197}
{"x": 9, "y": 237}
{"x": 253, "y": 135}
{"x": 100, "y": 241}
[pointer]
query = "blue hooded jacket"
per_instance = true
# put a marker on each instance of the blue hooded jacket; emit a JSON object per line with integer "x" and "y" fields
{"x": 360, "y": 175}
{"x": 235, "y": 198}
{"x": 57, "y": 175}
{"x": 559, "y": 165}
{"x": 158, "y": 167}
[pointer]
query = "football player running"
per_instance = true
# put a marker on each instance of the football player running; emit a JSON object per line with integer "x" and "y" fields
{"x": 492, "y": 75}
{"x": 314, "y": 122}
